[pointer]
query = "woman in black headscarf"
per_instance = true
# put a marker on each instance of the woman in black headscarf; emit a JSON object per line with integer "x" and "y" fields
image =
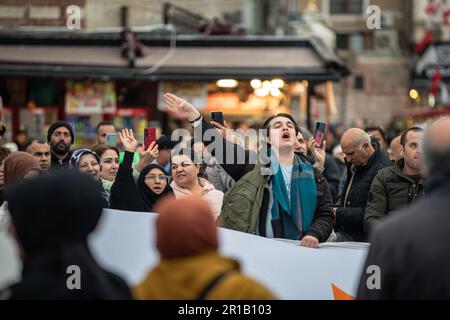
{"x": 152, "y": 183}
{"x": 52, "y": 228}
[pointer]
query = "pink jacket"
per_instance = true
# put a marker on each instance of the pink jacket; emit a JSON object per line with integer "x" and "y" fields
{"x": 209, "y": 193}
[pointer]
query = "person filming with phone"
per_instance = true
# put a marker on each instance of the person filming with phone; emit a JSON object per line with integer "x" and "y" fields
{"x": 281, "y": 198}
{"x": 103, "y": 128}
{"x": 319, "y": 157}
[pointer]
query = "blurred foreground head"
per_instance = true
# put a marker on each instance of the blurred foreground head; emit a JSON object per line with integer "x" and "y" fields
{"x": 185, "y": 227}
{"x": 50, "y": 211}
{"x": 437, "y": 147}
{"x": 52, "y": 217}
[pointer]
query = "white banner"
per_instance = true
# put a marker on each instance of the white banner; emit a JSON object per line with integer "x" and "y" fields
{"x": 124, "y": 242}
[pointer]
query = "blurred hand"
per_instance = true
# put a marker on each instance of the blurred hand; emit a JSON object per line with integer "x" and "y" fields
{"x": 147, "y": 156}
{"x": 334, "y": 211}
{"x": 319, "y": 154}
{"x": 310, "y": 242}
{"x": 129, "y": 143}
{"x": 180, "y": 107}
{"x": 226, "y": 132}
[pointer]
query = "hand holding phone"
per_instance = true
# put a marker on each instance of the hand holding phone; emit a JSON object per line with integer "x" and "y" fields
{"x": 149, "y": 137}
{"x": 217, "y": 116}
{"x": 319, "y": 133}
{"x": 111, "y": 139}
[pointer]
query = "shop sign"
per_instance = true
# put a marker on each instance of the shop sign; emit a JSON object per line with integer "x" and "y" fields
{"x": 90, "y": 97}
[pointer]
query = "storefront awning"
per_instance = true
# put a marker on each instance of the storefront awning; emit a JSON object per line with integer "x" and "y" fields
{"x": 262, "y": 57}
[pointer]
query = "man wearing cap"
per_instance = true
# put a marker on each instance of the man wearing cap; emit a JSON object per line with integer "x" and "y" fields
{"x": 165, "y": 146}
{"x": 60, "y": 137}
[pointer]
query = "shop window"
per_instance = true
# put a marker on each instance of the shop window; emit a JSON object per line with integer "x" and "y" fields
{"x": 356, "y": 42}
{"x": 133, "y": 94}
{"x": 352, "y": 41}
{"x": 359, "y": 82}
{"x": 342, "y": 40}
{"x": 346, "y": 6}
{"x": 43, "y": 92}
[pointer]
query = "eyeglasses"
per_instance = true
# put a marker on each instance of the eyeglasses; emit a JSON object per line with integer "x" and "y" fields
{"x": 152, "y": 177}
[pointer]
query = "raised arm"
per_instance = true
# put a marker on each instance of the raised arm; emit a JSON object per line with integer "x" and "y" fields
{"x": 241, "y": 162}
{"x": 124, "y": 194}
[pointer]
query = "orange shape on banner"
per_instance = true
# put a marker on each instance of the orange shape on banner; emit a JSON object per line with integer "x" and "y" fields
{"x": 341, "y": 294}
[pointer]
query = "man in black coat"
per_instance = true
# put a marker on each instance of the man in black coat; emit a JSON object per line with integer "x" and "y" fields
{"x": 410, "y": 249}
{"x": 364, "y": 160}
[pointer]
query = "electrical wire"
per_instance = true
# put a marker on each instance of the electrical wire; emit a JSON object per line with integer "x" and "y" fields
{"x": 168, "y": 55}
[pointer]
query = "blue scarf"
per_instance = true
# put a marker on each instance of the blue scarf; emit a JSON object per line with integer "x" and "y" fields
{"x": 292, "y": 219}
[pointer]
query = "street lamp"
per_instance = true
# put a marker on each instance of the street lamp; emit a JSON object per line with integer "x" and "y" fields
{"x": 227, "y": 83}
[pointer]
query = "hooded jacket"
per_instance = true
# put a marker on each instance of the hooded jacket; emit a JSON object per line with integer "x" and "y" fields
{"x": 190, "y": 266}
{"x": 185, "y": 279}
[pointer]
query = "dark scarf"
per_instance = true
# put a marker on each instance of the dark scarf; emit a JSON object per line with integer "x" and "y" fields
{"x": 147, "y": 197}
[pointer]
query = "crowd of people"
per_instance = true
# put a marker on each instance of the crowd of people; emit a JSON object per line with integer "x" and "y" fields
{"x": 288, "y": 187}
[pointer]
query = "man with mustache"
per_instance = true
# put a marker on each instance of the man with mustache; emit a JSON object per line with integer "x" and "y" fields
{"x": 41, "y": 151}
{"x": 397, "y": 186}
{"x": 60, "y": 137}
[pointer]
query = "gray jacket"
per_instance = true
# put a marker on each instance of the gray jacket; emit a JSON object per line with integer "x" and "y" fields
{"x": 218, "y": 177}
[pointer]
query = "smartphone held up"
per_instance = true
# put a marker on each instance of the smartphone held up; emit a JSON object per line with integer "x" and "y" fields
{"x": 111, "y": 139}
{"x": 149, "y": 137}
{"x": 319, "y": 133}
{"x": 217, "y": 116}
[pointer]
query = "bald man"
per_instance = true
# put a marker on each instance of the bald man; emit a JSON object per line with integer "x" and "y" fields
{"x": 411, "y": 247}
{"x": 396, "y": 151}
{"x": 364, "y": 159}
